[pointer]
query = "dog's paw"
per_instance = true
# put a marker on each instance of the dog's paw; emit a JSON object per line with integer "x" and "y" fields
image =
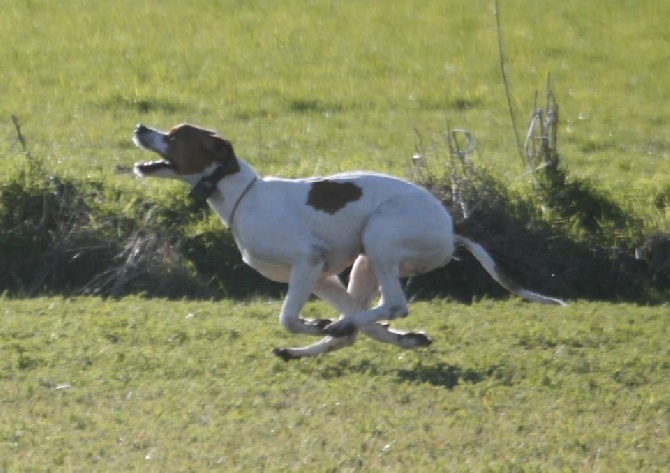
{"x": 411, "y": 340}
{"x": 283, "y": 353}
{"x": 340, "y": 328}
{"x": 416, "y": 340}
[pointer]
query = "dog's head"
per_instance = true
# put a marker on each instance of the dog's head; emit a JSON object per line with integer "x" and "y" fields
{"x": 187, "y": 152}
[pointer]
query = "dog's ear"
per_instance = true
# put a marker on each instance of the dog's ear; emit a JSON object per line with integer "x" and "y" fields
{"x": 222, "y": 152}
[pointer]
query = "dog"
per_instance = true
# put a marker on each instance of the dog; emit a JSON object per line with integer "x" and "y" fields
{"x": 305, "y": 232}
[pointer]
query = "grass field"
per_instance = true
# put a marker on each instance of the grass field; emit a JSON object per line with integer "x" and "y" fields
{"x": 318, "y": 86}
{"x": 312, "y": 87}
{"x": 143, "y": 385}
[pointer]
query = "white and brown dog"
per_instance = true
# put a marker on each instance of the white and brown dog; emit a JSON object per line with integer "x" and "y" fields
{"x": 305, "y": 232}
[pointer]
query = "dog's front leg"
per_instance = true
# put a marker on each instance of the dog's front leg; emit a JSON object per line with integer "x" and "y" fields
{"x": 327, "y": 344}
{"x": 331, "y": 290}
{"x": 304, "y": 275}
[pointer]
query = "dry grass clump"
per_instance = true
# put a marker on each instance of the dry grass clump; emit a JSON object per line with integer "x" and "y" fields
{"x": 563, "y": 236}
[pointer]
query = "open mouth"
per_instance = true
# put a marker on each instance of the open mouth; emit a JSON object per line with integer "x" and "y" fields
{"x": 152, "y": 167}
{"x": 152, "y": 140}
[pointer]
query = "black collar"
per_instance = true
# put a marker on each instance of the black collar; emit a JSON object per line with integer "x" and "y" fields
{"x": 206, "y": 186}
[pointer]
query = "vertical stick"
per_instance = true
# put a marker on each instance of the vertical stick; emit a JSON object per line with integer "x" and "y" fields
{"x": 22, "y": 140}
{"x": 506, "y": 82}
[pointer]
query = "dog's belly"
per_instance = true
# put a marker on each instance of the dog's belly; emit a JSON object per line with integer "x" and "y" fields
{"x": 333, "y": 261}
{"x": 273, "y": 271}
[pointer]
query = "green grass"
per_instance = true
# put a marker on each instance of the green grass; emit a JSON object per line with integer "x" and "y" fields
{"x": 192, "y": 386}
{"x": 303, "y": 87}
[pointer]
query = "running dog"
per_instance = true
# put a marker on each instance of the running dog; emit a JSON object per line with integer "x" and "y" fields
{"x": 305, "y": 232}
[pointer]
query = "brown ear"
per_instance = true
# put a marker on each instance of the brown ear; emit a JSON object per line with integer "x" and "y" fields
{"x": 221, "y": 151}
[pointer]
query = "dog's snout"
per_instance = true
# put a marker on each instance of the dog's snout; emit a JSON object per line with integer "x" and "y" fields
{"x": 141, "y": 129}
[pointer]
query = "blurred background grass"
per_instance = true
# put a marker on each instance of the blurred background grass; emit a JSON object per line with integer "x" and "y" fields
{"x": 306, "y": 86}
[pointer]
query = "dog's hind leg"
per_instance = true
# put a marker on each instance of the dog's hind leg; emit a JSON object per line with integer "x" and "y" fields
{"x": 384, "y": 334}
{"x": 362, "y": 289}
{"x": 392, "y": 305}
{"x": 363, "y": 285}
{"x": 403, "y": 237}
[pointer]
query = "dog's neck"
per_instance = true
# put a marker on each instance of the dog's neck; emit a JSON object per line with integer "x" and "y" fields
{"x": 230, "y": 190}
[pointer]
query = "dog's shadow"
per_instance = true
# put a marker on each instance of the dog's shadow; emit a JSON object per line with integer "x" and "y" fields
{"x": 446, "y": 375}
{"x": 441, "y": 374}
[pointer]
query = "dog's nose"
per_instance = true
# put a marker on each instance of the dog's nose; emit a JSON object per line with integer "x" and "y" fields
{"x": 140, "y": 129}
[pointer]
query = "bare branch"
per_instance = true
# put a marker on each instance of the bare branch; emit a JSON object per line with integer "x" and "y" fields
{"x": 19, "y": 135}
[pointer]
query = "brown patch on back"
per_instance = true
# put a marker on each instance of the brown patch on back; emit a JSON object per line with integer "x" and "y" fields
{"x": 192, "y": 149}
{"x": 329, "y": 196}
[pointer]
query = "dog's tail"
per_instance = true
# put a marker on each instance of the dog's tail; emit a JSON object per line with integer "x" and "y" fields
{"x": 505, "y": 281}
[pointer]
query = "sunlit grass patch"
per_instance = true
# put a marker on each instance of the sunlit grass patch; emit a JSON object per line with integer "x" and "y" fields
{"x": 191, "y": 385}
